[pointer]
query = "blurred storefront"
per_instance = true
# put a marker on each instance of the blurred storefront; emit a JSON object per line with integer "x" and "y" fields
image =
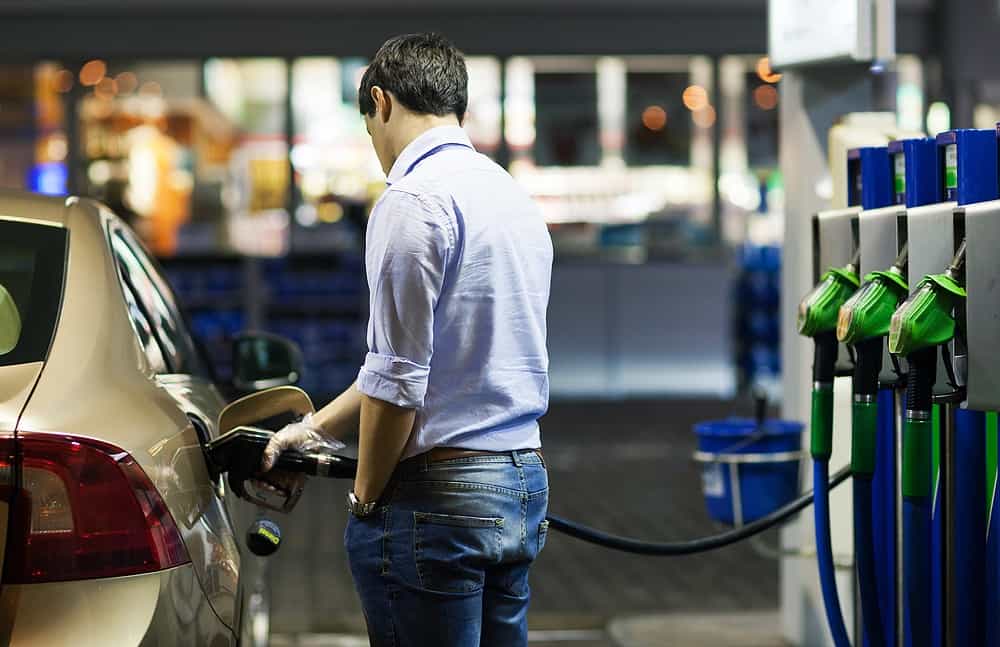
{"x": 252, "y": 178}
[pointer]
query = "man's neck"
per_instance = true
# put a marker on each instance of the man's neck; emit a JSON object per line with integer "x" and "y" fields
{"x": 416, "y": 125}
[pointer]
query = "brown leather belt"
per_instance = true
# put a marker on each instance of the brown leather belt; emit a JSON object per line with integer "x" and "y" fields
{"x": 439, "y": 454}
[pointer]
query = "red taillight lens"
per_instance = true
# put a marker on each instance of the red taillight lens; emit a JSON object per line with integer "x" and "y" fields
{"x": 85, "y": 509}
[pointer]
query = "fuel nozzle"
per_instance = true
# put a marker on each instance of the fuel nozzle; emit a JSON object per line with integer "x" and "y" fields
{"x": 868, "y": 312}
{"x": 926, "y": 318}
{"x": 819, "y": 309}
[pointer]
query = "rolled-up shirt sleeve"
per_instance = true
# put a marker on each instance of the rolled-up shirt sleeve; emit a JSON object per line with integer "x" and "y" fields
{"x": 408, "y": 245}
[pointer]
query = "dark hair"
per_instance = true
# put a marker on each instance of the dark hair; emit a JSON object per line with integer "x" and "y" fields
{"x": 425, "y": 73}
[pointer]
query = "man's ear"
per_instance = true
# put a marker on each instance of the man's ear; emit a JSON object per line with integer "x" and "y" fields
{"x": 383, "y": 103}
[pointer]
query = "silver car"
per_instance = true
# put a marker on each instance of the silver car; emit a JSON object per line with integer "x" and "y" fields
{"x": 114, "y": 529}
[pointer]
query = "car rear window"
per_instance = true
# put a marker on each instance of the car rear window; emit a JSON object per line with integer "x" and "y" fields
{"x": 32, "y": 264}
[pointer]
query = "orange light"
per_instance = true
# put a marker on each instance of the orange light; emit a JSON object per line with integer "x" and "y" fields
{"x": 765, "y": 96}
{"x": 106, "y": 88}
{"x": 92, "y": 72}
{"x": 151, "y": 88}
{"x": 64, "y": 80}
{"x": 704, "y": 118}
{"x": 654, "y": 118}
{"x": 695, "y": 97}
{"x": 127, "y": 82}
{"x": 764, "y": 71}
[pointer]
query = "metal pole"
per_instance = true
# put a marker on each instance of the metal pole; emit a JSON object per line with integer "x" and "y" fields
{"x": 74, "y": 146}
{"x": 898, "y": 397}
{"x": 947, "y": 508}
{"x": 291, "y": 195}
{"x": 716, "y": 154}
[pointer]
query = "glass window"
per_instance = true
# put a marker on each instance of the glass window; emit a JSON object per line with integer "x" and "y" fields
{"x": 32, "y": 127}
{"x": 658, "y": 125}
{"x": 566, "y": 120}
{"x": 336, "y": 170}
{"x": 251, "y": 94}
{"x": 762, "y": 122}
{"x": 32, "y": 258}
{"x": 144, "y": 330}
{"x": 482, "y": 120}
{"x": 152, "y": 298}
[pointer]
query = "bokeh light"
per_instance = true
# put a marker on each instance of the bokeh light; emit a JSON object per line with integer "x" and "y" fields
{"x": 106, "y": 88}
{"x": 704, "y": 118}
{"x": 764, "y": 71}
{"x": 151, "y": 88}
{"x": 127, "y": 82}
{"x": 765, "y": 97}
{"x": 92, "y": 72}
{"x": 938, "y": 118}
{"x": 695, "y": 97}
{"x": 654, "y": 118}
{"x": 64, "y": 80}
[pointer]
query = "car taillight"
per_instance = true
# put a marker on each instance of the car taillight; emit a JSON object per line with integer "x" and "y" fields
{"x": 85, "y": 509}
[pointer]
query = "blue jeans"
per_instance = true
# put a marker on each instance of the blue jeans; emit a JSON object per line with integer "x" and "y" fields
{"x": 444, "y": 561}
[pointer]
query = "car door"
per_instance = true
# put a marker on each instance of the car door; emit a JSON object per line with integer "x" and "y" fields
{"x": 183, "y": 372}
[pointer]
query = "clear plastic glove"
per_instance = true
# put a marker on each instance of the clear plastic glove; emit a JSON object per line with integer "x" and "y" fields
{"x": 304, "y": 435}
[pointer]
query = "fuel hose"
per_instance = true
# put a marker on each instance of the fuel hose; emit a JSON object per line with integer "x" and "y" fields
{"x": 917, "y": 450}
{"x": 824, "y": 368}
{"x": 864, "y": 410}
{"x": 690, "y": 547}
{"x": 344, "y": 467}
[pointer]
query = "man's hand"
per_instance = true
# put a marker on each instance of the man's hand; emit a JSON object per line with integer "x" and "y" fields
{"x": 303, "y": 435}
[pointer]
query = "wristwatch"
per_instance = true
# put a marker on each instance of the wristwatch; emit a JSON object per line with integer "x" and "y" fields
{"x": 358, "y": 509}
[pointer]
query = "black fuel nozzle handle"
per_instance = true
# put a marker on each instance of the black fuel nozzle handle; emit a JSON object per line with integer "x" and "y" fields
{"x": 825, "y": 351}
{"x": 239, "y": 454}
{"x": 317, "y": 464}
{"x": 867, "y": 366}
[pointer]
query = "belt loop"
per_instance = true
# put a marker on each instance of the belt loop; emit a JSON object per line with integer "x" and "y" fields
{"x": 425, "y": 461}
{"x": 516, "y": 458}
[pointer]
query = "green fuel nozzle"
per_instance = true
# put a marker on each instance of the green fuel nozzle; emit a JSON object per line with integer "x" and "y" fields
{"x": 868, "y": 312}
{"x": 818, "y": 320}
{"x": 819, "y": 309}
{"x": 926, "y": 318}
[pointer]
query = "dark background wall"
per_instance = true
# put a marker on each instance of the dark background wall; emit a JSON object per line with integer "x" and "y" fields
{"x": 193, "y": 28}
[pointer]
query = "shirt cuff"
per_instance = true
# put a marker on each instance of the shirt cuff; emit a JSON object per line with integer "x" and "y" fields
{"x": 394, "y": 380}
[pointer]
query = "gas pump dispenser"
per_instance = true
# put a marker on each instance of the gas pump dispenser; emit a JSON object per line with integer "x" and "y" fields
{"x": 929, "y": 329}
{"x": 836, "y": 248}
{"x": 979, "y": 319}
{"x": 863, "y": 323}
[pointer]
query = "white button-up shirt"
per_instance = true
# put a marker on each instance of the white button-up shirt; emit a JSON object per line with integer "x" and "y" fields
{"x": 459, "y": 262}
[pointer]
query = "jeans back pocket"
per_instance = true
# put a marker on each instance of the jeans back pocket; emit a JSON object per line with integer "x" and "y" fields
{"x": 452, "y": 552}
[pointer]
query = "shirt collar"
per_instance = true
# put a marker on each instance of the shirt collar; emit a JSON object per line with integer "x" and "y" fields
{"x": 423, "y": 143}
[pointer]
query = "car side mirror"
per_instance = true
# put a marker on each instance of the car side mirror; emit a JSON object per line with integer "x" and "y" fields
{"x": 10, "y": 322}
{"x": 263, "y": 361}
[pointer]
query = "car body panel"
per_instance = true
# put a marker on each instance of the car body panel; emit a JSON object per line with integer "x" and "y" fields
{"x": 221, "y": 558}
{"x": 163, "y": 608}
{"x": 16, "y": 383}
{"x": 29, "y": 207}
{"x": 98, "y": 383}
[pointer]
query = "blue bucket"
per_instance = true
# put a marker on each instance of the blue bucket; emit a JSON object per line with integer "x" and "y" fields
{"x": 763, "y": 461}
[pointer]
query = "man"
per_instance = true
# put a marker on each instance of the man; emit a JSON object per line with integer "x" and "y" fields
{"x": 448, "y": 508}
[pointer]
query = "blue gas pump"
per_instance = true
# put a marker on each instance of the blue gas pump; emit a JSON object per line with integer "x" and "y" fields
{"x": 918, "y": 172}
{"x": 970, "y": 175}
{"x": 928, "y": 328}
{"x": 873, "y": 422}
